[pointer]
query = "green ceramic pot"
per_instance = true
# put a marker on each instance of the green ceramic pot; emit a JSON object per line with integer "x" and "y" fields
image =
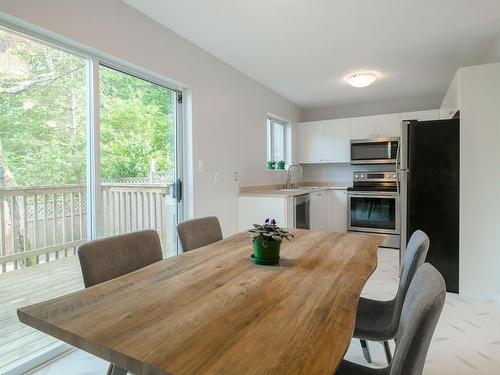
{"x": 266, "y": 255}
{"x": 280, "y": 165}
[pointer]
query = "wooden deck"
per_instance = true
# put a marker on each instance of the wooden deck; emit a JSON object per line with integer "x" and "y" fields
{"x": 25, "y": 287}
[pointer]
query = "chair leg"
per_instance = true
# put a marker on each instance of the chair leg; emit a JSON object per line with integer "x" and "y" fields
{"x": 115, "y": 370}
{"x": 387, "y": 350}
{"x": 366, "y": 350}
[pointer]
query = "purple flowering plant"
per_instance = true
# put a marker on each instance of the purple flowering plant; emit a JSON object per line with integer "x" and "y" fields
{"x": 269, "y": 232}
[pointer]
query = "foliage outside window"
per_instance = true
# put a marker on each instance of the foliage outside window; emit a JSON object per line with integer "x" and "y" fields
{"x": 43, "y": 119}
{"x": 276, "y": 139}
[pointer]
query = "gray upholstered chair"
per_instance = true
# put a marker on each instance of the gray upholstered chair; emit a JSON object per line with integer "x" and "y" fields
{"x": 421, "y": 310}
{"x": 199, "y": 232}
{"x": 378, "y": 320}
{"x": 107, "y": 258}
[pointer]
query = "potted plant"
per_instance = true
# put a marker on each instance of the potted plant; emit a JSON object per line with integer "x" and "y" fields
{"x": 280, "y": 164}
{"x": 266, "y": 242}
{"x": 270, "y": 164}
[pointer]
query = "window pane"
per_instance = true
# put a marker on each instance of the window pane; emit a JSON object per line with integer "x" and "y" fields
{"x": 278, "y": 142}
{"x": 137, "y": 156}
{"x": 269, "y": 140}
{"x": 43, "y": 207}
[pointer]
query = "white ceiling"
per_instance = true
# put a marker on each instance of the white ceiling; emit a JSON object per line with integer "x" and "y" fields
{"x": 302, "y": 49}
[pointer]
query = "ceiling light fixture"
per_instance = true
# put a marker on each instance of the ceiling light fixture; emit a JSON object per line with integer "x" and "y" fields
{"x": 361, "y": 79}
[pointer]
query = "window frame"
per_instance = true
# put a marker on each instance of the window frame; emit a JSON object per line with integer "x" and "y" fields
{"x": 271, "y": 122}
{"x": 94, "y": 199}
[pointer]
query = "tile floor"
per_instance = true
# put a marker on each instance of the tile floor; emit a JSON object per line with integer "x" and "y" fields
{"x": 466, "y": 341}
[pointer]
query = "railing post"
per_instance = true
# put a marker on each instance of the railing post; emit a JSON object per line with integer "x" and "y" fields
{"x": 3, "y": 233}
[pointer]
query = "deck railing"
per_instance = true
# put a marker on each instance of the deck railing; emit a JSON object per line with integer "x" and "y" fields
{"x": 43, "y": 224}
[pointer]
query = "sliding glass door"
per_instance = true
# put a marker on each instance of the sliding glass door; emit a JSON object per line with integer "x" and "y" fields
{"x": 49, "y": 151}
{"x": 138, "y": 156}
{"x": 43, "y": 203}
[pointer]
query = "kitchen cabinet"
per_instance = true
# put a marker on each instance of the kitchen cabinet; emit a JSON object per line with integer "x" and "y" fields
{"x": 362, "y": 127}
{"x": 339, "y": 211}
{"x": 451, "y": 101}
{"x": 328, "y": 141}
{"x": 324, "y": 141}
{"x": 311, "y": 142}
{"x": 388, "y": 125}
{"x": 336, "y": 146}
{"x": 254, "y": 210}
{"x": 378, "y": 126}
{"x": 429, "y": 115}
{"x": 319, "y": 210}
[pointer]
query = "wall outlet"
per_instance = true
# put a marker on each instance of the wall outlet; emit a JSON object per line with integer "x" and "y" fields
{"x": 235, "y": 176}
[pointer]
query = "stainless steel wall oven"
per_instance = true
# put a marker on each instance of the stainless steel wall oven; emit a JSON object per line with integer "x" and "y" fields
{"x": 374, "y": 206}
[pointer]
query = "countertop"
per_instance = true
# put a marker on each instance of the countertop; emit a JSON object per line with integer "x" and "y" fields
{"x": 273, "y": 190}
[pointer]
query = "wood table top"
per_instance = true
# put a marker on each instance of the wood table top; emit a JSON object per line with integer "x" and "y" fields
{"x": 212, "y": 311}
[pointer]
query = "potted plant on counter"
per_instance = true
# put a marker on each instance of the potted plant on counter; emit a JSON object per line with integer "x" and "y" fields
{"x": 266, "y": 242}
{"x": 280, "y": 165}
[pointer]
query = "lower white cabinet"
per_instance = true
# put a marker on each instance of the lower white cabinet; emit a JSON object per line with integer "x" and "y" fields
{"x": 339, "y": 211}
{"x": 254, "y": 210}
{"x": 319, "y": 212}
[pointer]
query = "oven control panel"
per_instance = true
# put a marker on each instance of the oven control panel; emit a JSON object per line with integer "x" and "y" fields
{"x": 374, "y": 176}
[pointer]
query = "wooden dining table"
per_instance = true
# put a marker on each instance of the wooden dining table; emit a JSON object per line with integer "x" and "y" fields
{"x": 212, "y": 311}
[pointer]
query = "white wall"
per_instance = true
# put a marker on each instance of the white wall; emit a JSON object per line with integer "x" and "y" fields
{"x": 398, "y": 105}
{"x": 480, "y": 180}
{"x": 492, "y": 53}
{"x": 228, "y": 108}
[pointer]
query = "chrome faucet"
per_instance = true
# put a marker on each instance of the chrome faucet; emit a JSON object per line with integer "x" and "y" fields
{"x": 288, "y": 184}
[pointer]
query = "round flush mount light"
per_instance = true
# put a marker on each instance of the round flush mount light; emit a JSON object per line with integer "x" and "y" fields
{"x": 361, "y": 79}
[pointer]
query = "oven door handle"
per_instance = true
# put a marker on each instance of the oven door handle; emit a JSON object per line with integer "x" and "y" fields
{"x": 375, "y": 195}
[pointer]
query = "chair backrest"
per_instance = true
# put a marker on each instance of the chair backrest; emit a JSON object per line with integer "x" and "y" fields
{"x": 421, "y": 310}
{"x": 107, "y": 258}
{"x": 199, "y": 232}
{"x": 415, "y": 255}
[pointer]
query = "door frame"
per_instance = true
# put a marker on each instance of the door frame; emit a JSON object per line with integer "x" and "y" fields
{"x": 94, "y": 59}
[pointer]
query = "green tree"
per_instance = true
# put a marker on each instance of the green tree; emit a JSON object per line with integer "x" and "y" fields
{"x": 43, "y": 118}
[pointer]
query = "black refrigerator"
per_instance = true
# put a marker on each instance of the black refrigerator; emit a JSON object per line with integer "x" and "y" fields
{"x": 428, "y": 173}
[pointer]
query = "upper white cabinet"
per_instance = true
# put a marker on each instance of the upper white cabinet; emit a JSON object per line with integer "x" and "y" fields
{"x": 387, "y": 125}
{"x": 429, "y": 115}
{"x": 375, "y": 126}
{"x": 311, "y": 142}
{"x": 451, "y": 101}
{"x": 362, "y": 127}
{"x": 324, "y": 141}
{"x": 329, "y": 141}
{"x": 337, "y": 143}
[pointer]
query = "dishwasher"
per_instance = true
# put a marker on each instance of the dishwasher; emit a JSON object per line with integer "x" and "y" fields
{"x": 301, "y": 218}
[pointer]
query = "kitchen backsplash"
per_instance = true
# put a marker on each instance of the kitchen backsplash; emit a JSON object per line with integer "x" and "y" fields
{"x": 338, "y": 171}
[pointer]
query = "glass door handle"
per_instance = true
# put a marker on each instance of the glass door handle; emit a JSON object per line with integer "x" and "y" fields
{"x": 177, "y": 190}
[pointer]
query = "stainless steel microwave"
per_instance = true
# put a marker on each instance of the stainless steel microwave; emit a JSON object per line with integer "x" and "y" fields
{"x": 374, "y": 150}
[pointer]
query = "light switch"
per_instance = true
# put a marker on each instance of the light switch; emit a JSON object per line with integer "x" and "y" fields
{"x": 216, "y": 177}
